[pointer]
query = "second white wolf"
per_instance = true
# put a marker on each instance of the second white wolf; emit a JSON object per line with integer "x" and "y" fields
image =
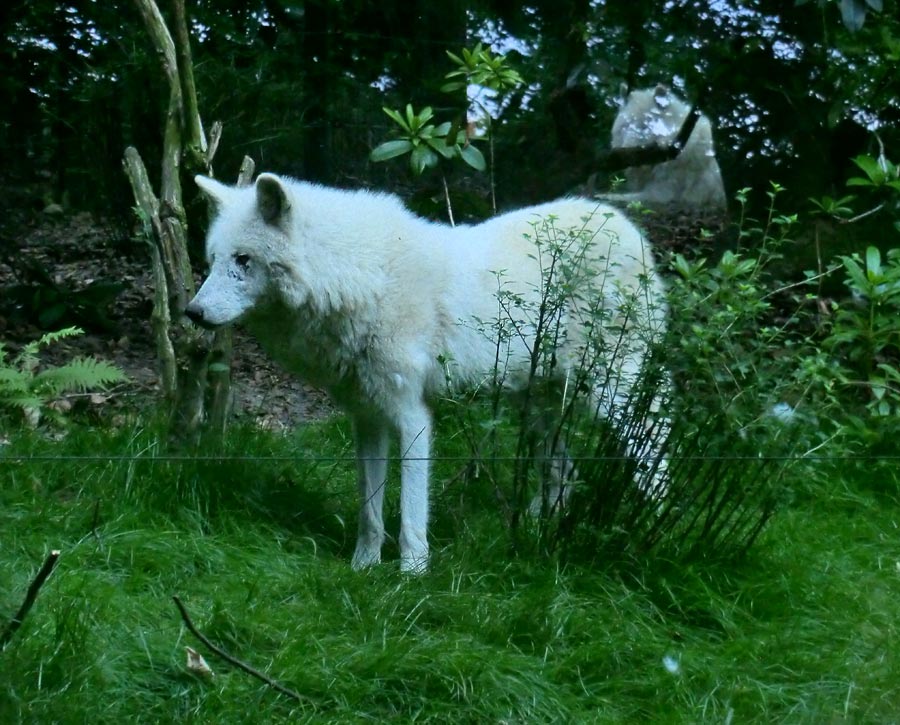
{"x": 356, "y": 295}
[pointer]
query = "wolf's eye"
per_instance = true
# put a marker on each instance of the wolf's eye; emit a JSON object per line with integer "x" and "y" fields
{"x": 242, "y": 260}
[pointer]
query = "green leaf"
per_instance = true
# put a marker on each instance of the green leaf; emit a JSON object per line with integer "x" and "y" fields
{"x": 856, "y": 278}
{"x": 427, "y": 132}
{"x": 14, "y": 380}
{"x": 873, "y": 264}
{"x": 473, "y": 157}
{"x": 397, "y": 118}
{"x": 682, "y": 266}
{"x": 853, "y": 13}
{"x": 82, "y": 373}
{"x": 390, "y": 150}
{"x": 448, "y": 151}
{"x": 871, "y": 168}
{"x": 454, "y": 86}
{"x": 859, "y": 181}
{"x": 422, "y": 158}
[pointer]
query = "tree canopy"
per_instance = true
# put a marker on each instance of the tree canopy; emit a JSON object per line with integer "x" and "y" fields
{"x": 794, "y": 90}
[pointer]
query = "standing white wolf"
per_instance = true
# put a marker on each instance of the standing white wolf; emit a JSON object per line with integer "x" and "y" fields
{"x": 356, "y": 295}
{"x": 692, "y": 180}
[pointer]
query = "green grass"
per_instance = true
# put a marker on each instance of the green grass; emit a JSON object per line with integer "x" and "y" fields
{"x": 803, "y": 630}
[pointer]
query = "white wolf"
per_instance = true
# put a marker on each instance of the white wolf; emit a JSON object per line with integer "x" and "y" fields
{"x": 356, "y": 295}
{"x": 653, "y": 117}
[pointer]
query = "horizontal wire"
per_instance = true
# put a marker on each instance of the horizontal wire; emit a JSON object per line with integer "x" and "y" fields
{"x": 458, "y": 459}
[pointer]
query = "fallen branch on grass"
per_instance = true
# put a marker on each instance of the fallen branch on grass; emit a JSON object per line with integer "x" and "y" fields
{"x": 233, "y": 660}
{"x": 30, "y": 596}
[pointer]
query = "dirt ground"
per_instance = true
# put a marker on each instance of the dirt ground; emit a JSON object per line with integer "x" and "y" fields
{"x": 61, "y": 269}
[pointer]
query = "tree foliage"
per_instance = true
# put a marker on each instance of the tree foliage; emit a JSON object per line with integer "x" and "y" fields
{"x": 794, "y": 90}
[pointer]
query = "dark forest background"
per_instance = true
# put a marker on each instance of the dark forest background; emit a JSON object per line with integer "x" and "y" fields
{"x": 794, "y": 92}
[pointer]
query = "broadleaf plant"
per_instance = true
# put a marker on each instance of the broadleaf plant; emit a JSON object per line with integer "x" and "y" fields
{"x": 426, "y": 143}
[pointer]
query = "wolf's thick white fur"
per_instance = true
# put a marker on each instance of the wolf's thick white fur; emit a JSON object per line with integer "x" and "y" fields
{"x": 356, "y": 295}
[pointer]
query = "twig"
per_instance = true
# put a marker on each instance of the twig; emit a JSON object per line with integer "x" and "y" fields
{"x": 865, "y": 214}
{"x": 30, "y": 596}
{"x": 819, "y": 276}
{"x": 95, "y": 522}
{"x": 233, "y": 660}
{"x": 447, "y": 200}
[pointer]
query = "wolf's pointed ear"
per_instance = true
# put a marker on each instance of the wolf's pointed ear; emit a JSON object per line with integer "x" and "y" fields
{"x": 271, "y": 198}
{"x": 214, "y": 190}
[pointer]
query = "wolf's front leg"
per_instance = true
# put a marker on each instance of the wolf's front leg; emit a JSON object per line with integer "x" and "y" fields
{"x": 415, "y": 442}
{"x": 371, "y": 455}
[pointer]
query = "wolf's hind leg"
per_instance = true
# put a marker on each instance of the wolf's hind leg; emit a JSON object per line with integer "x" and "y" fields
{"x": 641, "y": 418}
{"x": 371, "y": 456}
{"x": 557, "y": 469}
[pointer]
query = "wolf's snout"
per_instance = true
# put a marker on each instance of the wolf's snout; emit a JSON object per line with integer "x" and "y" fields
{"x": 194, "y": 313}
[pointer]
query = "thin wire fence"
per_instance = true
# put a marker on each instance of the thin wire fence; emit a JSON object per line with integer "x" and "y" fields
{"x": 177, "y": 458}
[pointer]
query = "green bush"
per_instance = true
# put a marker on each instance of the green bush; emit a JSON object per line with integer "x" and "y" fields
{"x": 714, "y": 500}
{"x": 863, "y": 334}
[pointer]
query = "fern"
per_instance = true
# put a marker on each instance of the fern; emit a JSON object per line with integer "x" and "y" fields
{"x": 25, "y": 388}
{"x": 82, "y": 373}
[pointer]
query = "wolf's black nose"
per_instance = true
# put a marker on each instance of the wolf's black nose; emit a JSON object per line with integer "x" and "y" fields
{"x": 195, "y": 314}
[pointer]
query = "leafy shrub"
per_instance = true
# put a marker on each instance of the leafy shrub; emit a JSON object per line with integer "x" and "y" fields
{"x": 860, "y": 334}
{"x": 864, "y": 333}
{"x": 719, "y": 492}
{"x": 27, "y": 388}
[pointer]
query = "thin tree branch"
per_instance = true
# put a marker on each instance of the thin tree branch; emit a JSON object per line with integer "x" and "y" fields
{"x": 233, "y": 660}
{"x": 30, "y": 596}
{"x": 626, "y": 156}
{"x": 193, "y": 126}
{"x": 170, "y": 188}
{"x": 862, "y": 216}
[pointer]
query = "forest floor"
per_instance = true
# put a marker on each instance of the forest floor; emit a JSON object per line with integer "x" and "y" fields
{"x": 63, "y": 270}
{"x": 59, "y": 269}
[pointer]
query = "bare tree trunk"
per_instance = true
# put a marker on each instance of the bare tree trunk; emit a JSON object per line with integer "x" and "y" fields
{"x": 160, "y": 319}
{"x": 195, "y": 366}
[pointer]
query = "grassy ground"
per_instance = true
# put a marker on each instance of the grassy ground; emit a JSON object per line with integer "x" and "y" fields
{"x": 804, "y": 630}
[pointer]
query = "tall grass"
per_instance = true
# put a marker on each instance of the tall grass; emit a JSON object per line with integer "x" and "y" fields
{"x": 803, "y": 629}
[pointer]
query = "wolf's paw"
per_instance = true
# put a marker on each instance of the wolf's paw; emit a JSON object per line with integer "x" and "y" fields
{"x": 365, "y": 557}
{"x": 413, "y": 550}
{"x": 414, "y": 564}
